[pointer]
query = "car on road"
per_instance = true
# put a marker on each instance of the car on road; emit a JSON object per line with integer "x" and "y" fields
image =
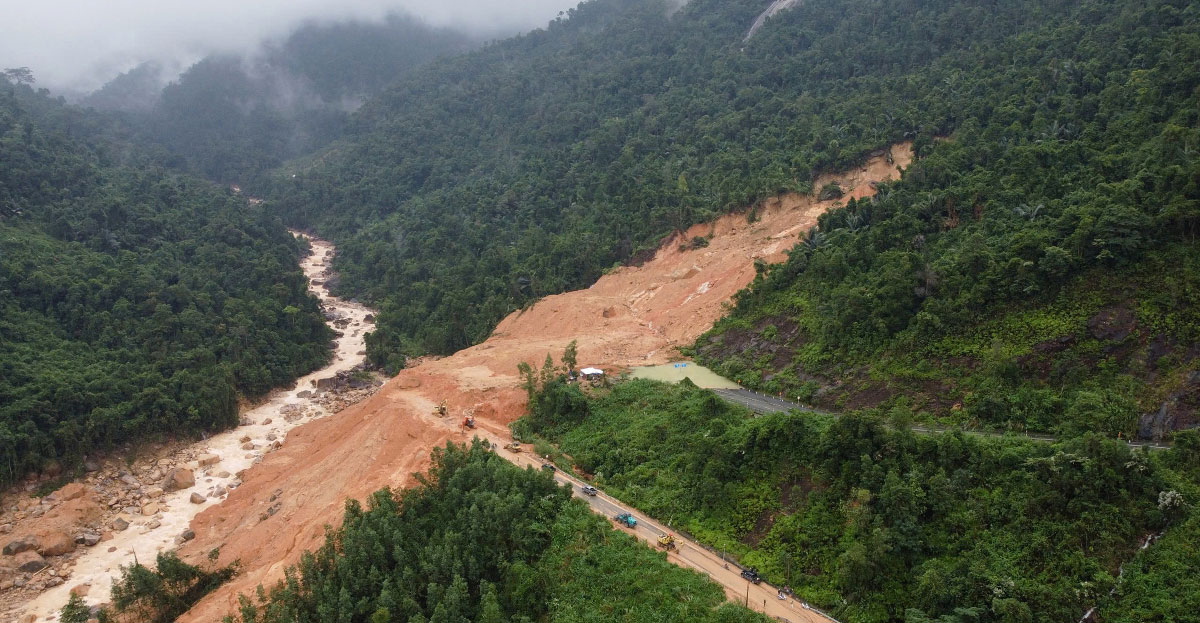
{"x": 589, "y": 490}
{"x": 751, "y": 574}
{"x": 546, "y": 467}
{"x": 627, "y": 520}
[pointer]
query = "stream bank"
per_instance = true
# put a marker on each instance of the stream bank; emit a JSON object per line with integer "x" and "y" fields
{"x": 123, "y": 511}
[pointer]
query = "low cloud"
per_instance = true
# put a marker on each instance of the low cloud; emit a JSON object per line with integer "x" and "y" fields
{"x": 80, "y": 44}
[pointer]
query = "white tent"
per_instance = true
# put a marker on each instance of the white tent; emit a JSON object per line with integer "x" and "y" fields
{"x": 591, "y": 371}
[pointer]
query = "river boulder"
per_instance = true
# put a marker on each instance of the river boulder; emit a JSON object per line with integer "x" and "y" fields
{"x": 178, "y": 479}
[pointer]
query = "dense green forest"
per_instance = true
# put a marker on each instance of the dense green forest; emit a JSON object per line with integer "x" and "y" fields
{"x": 482, "y": 540}
{"x": 134, "y": 302}
{"x": 230, "y": 117}
{"x": 482, "y": 182}
{"x": 862, "y": 516}
{"x": 1037, "y": 270}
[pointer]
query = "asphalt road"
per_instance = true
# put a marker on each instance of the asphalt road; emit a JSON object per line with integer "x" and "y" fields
{"x": 764, "y": 404}
{"x": 760, "y": 597}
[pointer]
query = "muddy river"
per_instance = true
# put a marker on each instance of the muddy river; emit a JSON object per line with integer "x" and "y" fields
{"x": 265, "y": 424}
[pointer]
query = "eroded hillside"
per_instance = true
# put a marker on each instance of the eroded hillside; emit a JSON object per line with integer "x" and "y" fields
{"x": 631, "y": 316}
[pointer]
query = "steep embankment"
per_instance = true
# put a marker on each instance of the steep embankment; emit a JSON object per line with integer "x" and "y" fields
{"x": 634, "y": 315}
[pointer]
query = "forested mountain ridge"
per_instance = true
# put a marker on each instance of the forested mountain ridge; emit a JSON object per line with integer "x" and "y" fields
{"x": 1037, "y": 270}
{"x": 231, "y": 116}
{"x": 482, "y": 182}
{"x": 134, "y": 302}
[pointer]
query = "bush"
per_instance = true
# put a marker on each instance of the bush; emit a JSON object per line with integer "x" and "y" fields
{"x": 830, "y": 191}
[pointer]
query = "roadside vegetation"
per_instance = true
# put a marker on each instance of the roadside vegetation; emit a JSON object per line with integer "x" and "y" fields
{"x": 482, "y": 540}
{"x": 875, "y": 523}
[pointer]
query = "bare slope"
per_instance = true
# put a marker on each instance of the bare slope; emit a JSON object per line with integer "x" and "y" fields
{"x": 632, "y": 316}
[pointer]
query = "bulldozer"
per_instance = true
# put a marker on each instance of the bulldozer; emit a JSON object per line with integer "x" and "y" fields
{"x": 513, "y": 447}
{"x": 440, "y": 410}
{"x": 667, "y": 542}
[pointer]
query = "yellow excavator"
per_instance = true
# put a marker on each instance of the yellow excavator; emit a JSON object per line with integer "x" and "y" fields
{"x": 667, "y": 542}
{"x": 440, "y": 410}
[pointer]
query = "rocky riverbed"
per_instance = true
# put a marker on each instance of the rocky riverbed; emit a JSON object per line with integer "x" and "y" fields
{"x": 129, "y": 508}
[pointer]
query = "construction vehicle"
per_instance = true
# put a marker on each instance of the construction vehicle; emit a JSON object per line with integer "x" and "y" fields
{"x": 513, "y": 447}
{"x": 469, "y": 421}
{"x": 667, "y": 542}
{"x": 627, "y": 520}
{"x": 440, "y": 410}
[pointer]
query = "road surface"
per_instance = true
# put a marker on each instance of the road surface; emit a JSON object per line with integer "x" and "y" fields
{"x": 760, "y": 597}
{"x": 764, "y": 404}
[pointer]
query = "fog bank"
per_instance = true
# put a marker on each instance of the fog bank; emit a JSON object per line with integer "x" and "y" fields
{"x": 80, "y": 44}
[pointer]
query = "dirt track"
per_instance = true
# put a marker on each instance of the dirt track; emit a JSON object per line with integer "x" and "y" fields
{"x": 633, "y": 316}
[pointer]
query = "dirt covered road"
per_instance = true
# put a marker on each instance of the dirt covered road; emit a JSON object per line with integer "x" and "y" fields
{"x": 632, "y": 316}
{"x": 760, "y": 597}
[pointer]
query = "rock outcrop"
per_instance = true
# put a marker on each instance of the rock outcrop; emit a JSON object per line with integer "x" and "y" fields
{"x": 1181, "y": 410}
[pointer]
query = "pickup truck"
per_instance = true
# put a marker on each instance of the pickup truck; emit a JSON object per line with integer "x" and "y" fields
{"x": 589, "y": 490}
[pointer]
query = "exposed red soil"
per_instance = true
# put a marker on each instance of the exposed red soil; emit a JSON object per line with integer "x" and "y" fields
{"x": 633, "y": 316}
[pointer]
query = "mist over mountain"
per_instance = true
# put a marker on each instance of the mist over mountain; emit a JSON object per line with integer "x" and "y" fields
{"x": 232, "y": 115}
{"x": 76, "y": 46}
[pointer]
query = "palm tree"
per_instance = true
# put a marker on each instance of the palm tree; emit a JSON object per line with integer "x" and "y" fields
{"x": 815, "y": 239}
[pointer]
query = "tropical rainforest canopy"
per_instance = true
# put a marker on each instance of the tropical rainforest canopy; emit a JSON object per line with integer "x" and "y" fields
{"x": 134, "y": 302}
{"x": 1055, "y": 138}
{"x": 875, "y": 523}
{"x": 484, "y": 541}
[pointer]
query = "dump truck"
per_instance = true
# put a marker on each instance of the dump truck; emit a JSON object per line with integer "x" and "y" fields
{"x": 627, "y": 520}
